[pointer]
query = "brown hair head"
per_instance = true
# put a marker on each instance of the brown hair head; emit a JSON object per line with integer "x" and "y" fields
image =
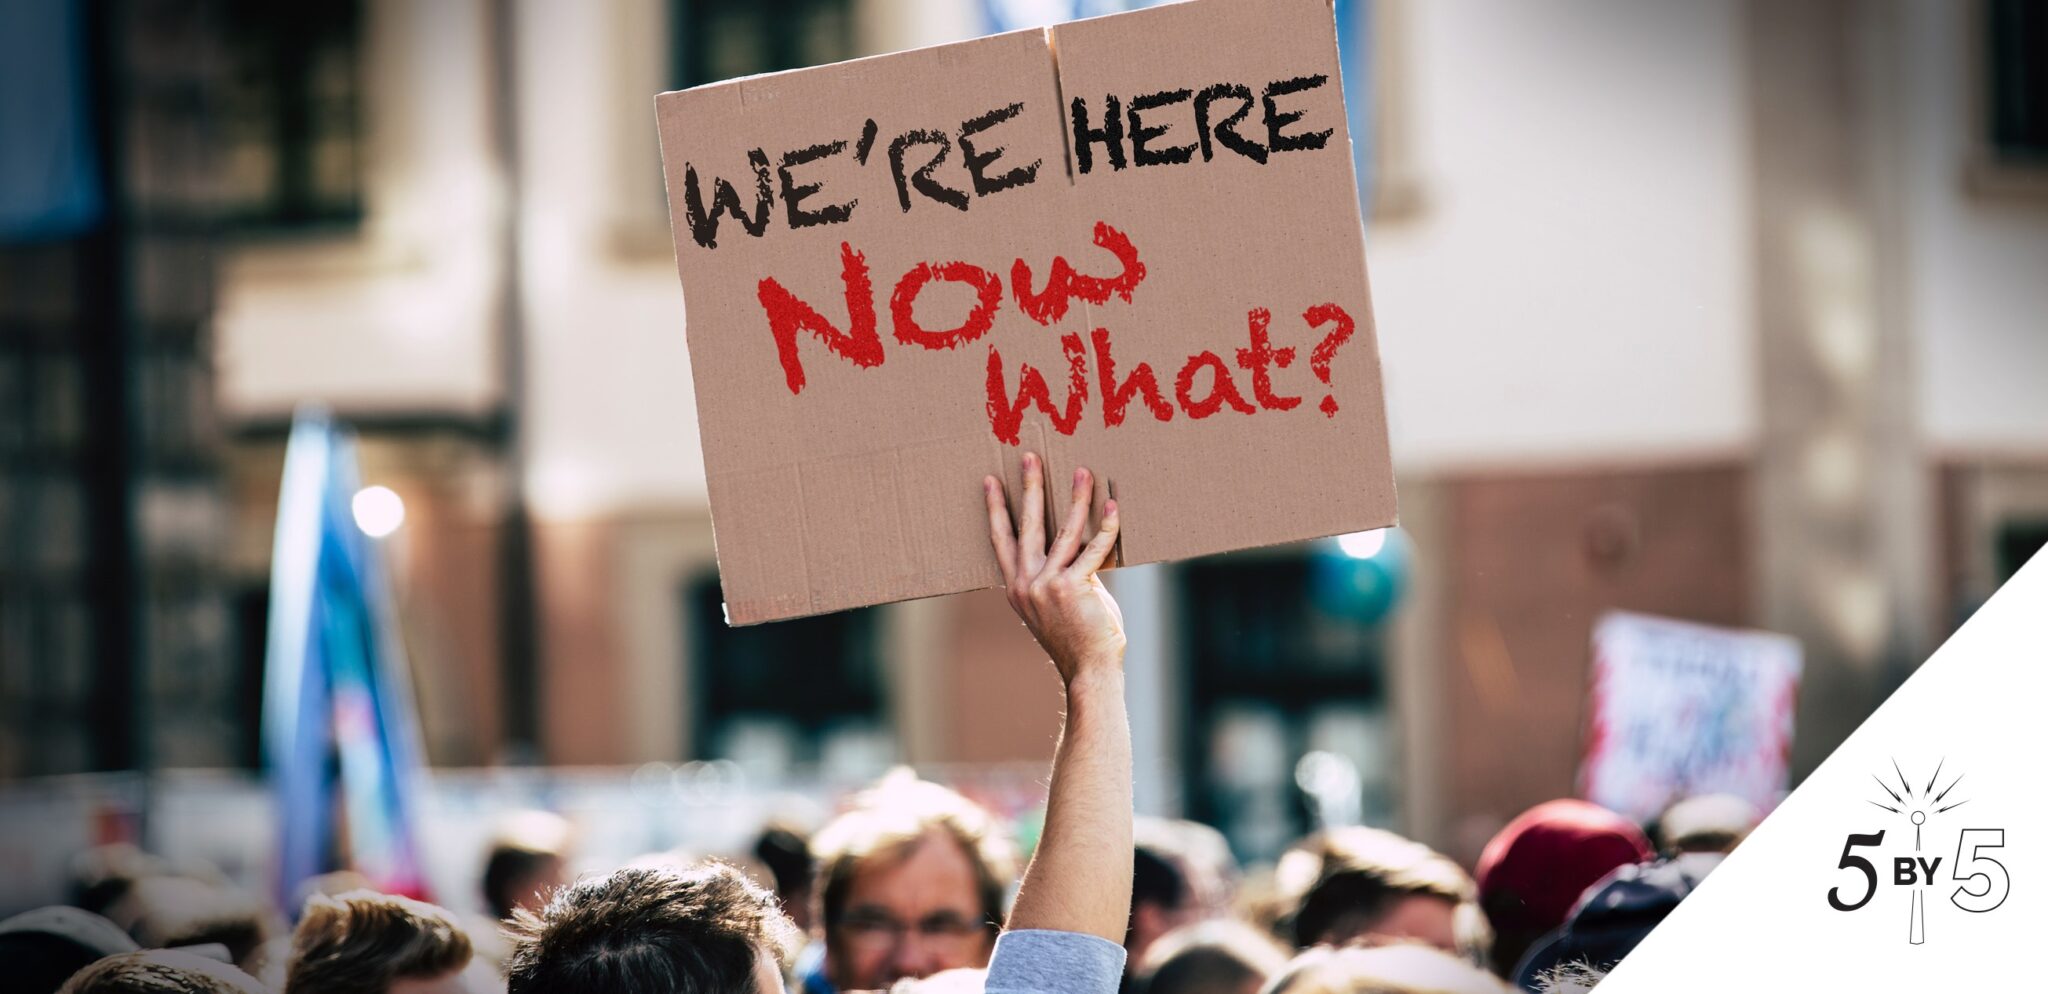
{"x": 1364, "y": 872}
{"x": 160, "y": 971}
{"x": 1220, "y": 956}
{"x": 362, "y": 941}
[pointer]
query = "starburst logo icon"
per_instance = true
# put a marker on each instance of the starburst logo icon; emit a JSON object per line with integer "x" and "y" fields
{"x": 1928, "y": 800}
{"x": 1916, "y": 806}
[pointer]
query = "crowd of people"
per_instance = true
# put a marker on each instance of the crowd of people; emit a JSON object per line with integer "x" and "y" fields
{"x": 913, "y": 887}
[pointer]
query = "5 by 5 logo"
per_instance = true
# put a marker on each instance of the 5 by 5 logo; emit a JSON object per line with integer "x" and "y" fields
{"x": 1982, "y": 882}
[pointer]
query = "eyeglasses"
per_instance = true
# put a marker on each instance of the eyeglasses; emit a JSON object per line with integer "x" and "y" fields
{"x": 875, "y": 930}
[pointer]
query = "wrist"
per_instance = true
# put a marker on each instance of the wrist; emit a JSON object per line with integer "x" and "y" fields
{"x": 1097, "y": 678}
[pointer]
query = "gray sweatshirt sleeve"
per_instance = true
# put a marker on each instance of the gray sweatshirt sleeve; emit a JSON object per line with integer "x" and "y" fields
{"x": 1034, "y": 961}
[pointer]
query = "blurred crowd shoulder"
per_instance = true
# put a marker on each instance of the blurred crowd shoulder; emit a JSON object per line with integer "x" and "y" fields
{"x": 44, "y": 947}
{"x": 1707, "y": 823}
{"x": 1393, "y": 969}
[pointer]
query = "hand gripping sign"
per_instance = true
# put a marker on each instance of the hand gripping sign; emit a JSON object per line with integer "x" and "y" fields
{"x": 1131, "y": 243}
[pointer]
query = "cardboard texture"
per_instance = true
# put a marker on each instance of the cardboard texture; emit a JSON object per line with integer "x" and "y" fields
{"x": 879, "y": 257}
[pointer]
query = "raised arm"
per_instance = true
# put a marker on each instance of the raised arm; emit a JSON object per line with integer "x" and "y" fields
{"x": 1079, "y": 880}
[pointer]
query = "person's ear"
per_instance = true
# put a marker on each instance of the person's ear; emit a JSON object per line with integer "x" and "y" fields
{"x": 768, "y": 974}
{"x": 1148, "y": 919}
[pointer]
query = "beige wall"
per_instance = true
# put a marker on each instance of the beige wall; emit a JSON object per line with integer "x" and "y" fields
{"x": 1575, "y": 284}
{"x": 1978, "y": 304}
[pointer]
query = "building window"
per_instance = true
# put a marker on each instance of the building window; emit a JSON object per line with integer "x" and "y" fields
{"x": 2016, "y": 67}
{"x": 2017, "y": 543}
{"x": 1283, "y": 665}
{"x": 2010, "y": 154}
{"x": 789, "y": 696}
{"x": 290, "y": 114}
{"x": 721, "y": 39}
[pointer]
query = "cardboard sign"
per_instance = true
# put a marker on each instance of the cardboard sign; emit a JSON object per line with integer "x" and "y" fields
{"x": 1131, "y": 243}
{"x": 1681, "y": 709}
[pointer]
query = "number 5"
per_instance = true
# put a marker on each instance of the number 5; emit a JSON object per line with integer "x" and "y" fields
{"x": 1996, "y": 883}
{"x": 1860, "y": 865}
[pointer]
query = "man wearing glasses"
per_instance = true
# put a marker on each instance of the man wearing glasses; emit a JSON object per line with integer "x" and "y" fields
{"x": 911, "y": 881}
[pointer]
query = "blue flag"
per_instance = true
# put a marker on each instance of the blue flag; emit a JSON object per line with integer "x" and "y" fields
{"x": 339, "y": 731}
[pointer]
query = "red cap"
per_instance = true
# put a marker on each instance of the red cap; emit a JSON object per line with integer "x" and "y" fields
{"x": 1534, "y": 870}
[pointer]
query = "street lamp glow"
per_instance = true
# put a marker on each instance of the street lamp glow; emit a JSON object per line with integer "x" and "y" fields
{"x": 378, "y": 511}
{"x": 1363, "y": 545}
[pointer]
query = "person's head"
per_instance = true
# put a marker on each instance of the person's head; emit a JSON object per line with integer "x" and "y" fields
{"x": 705, "y": 930}
{"x": 161, "y": 971}
{"x": 1371, "y": 887}
{"x": 166, "y": 911}
{"x": 1161, "y": 900}
{"x": 910, "y": 882}
{"x": 786, "y": 853}
{"x": 44, "y": 947}
{"x": 1203, "y": 857}
{"x": 102, "y": 875}
{"x": 1575, "y": 978}
{"x": 1534, "y": 870}
{"x": 1616, "y": 914}
{"x": 1219, "y": 956}
{"x": 363, "y": 942}
{"x": 1712, "y": 823}
{"x": 528, "y": 859}
{"x": 1397, "y": 969}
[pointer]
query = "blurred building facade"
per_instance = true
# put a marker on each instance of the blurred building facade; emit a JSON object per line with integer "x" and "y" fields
{"x": 1722, "y": 310}
{"x": 116, "y": 646}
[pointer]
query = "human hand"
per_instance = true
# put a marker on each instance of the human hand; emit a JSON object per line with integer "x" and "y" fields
{"x": 1055, "y": 590}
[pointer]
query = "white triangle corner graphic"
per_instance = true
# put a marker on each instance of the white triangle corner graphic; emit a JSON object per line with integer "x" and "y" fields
{"x": 1973, "y": 719}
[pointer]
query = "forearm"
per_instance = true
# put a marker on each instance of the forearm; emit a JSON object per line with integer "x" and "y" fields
{"x": 1080, "y": 878}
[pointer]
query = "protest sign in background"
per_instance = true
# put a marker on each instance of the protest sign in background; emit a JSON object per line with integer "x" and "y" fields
{"x": 1680, "y": 709}
{"x": 1131, "y": 243}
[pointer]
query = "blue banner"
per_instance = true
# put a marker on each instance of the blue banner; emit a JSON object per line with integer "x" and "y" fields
{"x": 339, "y": 730}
